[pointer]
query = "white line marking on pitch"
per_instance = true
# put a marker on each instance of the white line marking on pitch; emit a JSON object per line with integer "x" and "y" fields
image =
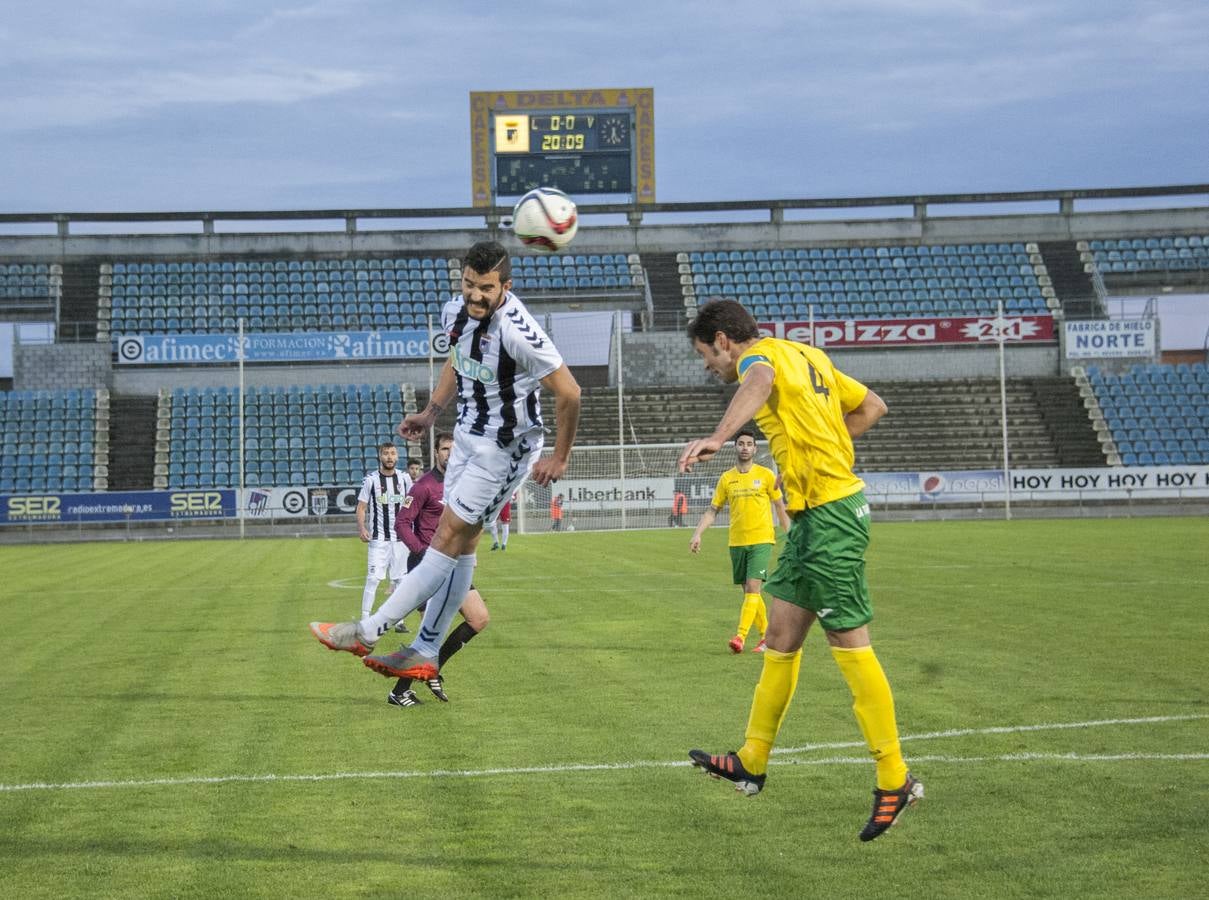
{"x": 1000, "y": 729}
{"x": 666, "y": 764}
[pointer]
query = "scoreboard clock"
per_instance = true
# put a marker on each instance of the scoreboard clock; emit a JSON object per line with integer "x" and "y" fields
{"x": 581, "y": 142}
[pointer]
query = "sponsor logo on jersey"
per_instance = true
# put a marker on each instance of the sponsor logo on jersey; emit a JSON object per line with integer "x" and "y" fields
{"x": 471, "y": 368}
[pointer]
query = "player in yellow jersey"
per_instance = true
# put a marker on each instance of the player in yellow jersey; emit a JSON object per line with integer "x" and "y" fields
{"x": 751, "y": 492}
{"x": 810, "y": 412}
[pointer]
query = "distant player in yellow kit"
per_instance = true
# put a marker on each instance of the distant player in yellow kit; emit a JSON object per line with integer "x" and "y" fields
{"x": 751, "y": 492}
{"x": 810, "y": 412}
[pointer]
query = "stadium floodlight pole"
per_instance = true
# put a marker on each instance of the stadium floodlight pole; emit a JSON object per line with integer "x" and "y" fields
{"x": 620, "y": 412}
{"x": 1001, "y": 338}
{"x": 239, "y": 504}
{"x": 432, "y": 385}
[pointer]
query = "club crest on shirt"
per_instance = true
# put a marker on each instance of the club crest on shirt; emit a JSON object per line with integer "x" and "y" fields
{"x": 485, "y": 344}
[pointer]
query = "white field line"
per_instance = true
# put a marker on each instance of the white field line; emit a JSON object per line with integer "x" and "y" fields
{"x": 666, "y": 764}
{"x": 1000, "y": 729}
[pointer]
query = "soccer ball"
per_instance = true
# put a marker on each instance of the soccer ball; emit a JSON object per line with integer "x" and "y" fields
{"x": 545, "y": 219}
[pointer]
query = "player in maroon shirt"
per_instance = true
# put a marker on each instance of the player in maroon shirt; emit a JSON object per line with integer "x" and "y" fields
{"x": 415, "y": 525}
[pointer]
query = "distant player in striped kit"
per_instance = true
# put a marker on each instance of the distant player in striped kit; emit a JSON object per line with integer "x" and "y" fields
{"x": 499, "y": 359}
{"x": 379, "y": 502}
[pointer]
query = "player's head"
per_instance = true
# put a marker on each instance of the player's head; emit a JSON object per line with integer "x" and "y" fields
{"x": 414, "y": 467}
{"x": 721, "y": 332}
{"x": 486, "y": 277}
{"x": 444, "y": 446}
{"x": 745, "y": 445}
{"x": 388, "y": 455}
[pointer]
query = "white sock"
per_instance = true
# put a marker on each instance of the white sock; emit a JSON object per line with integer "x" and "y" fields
{"x": 442, "y": 608}
{"x": 504, "y": 534}
{"x": 368, "y": 595}
{"x": 414, "y": 588}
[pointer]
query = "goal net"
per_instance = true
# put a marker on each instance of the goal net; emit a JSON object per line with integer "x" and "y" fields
{"x": 614, "y": 487}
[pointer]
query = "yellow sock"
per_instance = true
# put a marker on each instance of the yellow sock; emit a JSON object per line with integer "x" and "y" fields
{"x": 768, "y": 707}
{"x": 874, "y": 707}
{"x": 748, "y": 613}
{"x": 761, "y": 616}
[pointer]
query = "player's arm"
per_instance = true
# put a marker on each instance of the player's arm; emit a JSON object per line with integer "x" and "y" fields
{"x": 405, "y": 521}
{"x": 362, "y": 531}
{"x": 752, "y": 394}
{"x": 865, "y": 415}
{"x": 782, "y": 513}
{"x": 707, "y": 519}
{"x": 562, "y": 384}
{"x": 413, "y": 426}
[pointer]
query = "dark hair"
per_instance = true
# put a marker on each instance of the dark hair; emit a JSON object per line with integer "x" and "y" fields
{"x": 745, "y": 432}
{"x": 412, "y": 461}
{"x": 444, "y": 436}
{"x": 385, "y": 445}
{"x": 490, "y": 256}
{"x": 726, "y": 316}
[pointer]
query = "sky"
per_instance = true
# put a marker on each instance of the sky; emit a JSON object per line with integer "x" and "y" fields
{"x": 145, "y": 105}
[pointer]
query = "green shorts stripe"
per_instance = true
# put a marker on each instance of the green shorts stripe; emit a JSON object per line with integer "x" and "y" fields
{"x": 822, "y": 565}
{"x": 750, "y": 561}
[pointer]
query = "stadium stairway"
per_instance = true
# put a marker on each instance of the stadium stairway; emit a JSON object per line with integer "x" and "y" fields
{"x": 132, "y": 422}
{"x": 663, "y": 276}
{"x": 1070, "y": 428}
{"x": 78, "y": 307}
{"x": 1071, "y": 283}
{"x": 956, "y": 425}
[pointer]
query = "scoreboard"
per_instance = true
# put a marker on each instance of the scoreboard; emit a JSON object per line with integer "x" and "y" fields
{"x": 581, "y": 142}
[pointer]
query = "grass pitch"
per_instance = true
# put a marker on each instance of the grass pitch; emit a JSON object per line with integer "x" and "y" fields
{"x": 172, "y": 730}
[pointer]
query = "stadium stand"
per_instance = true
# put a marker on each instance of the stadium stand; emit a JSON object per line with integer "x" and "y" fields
{"x": 1177, "y": 253}
{"x": 29, "y": 288}
{"x": 321, "y": 294}
{"x": 300, "y": 435}
{"x": 1155, "y": 414}
{"x": 952, "y": 424}
{"x": 875, "y": 282}
{"x": 53, "y": 441}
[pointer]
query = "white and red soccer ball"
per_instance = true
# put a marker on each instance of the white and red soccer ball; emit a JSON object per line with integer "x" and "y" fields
{"x": 545, "y": 219}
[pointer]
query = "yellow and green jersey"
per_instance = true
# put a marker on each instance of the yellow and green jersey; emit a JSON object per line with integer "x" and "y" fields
{"x": 749, "y": 495}
{"x": 803, "y": 420}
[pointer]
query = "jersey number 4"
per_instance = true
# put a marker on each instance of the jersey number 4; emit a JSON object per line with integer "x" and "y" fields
{"x": 817, "y": 383}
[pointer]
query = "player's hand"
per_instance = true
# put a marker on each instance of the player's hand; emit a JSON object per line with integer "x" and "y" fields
{"x": 700, "y": 450}
{"x": 412, "y": 427}
{"x": 364, "y": 535}
{"x": 695, "y": 544}
{"x": 548, "y": 469}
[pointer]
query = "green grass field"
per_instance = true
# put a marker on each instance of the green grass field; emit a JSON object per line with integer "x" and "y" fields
{"x": 172, "y": 730}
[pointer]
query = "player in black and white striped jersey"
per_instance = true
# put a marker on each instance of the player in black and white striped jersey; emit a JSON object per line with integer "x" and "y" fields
{"x": 498, "y": 358}
{"x": 380, "y": 500}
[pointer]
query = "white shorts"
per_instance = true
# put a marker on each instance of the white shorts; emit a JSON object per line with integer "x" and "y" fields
{"x": 387, "y": 559}
{"x": 482, "y": 476}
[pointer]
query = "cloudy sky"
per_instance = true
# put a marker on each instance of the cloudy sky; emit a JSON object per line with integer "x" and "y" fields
{"x": 217, "y": 104}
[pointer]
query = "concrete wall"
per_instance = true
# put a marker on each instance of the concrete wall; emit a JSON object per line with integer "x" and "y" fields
{"x": 149, "y": 379}
{"x": 56, "y": 366}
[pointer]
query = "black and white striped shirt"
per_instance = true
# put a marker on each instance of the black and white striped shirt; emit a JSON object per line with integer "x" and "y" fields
{"x": 383, "y": 496}
{"x": 499, "y": 363}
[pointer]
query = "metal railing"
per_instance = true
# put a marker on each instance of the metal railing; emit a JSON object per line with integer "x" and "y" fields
{"x": 352, "y": 219}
